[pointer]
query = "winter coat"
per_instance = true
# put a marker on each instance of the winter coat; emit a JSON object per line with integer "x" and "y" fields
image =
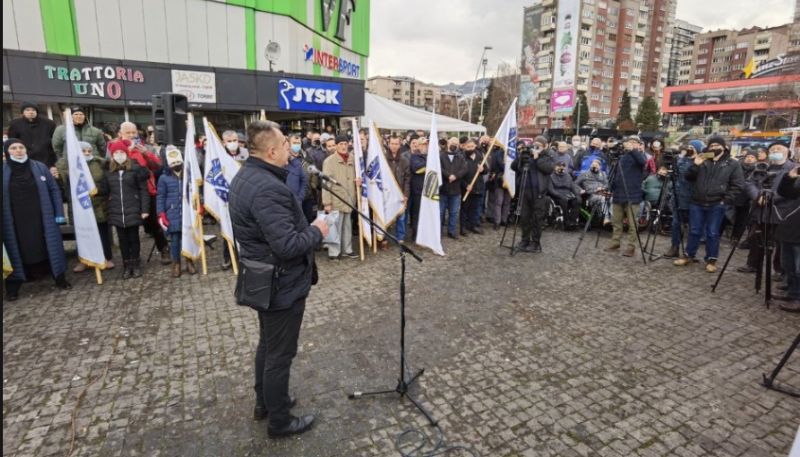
{"x": 715, "y": 182}
{"x": 97, "y": 167}
{"x": 52, "y": 207}
{"x": 401, "y": 168}
{"x": 169, "y": 200}
{"x": 479, "y": 188}
{"x": 538, "y": 175}
{"x": 497, "y": 167}
{"x": 651, "y": 187}
{"x": 418, "y": 166}
{"x": 269, "y": 226}
{"x": 789, "y": 190}
{"x": 150, "y": 163}
{"x": 683, "y": 188}
{"x": 85, "y": 132}
{"x": 457, "y": 167}
{"x": 127, "y": 196}
{"x": 563, "y": 187}
{"x": 592, "y": 182}
{"x": 583, "y": 161}
{"x": 566, "y": 159}
{"x": 782, "y": 205}
{"x": 36, "y": 136}
{"x": 627, "y": 184}
{"x": 344, "y": 172}
{"x": 297, "y": 179}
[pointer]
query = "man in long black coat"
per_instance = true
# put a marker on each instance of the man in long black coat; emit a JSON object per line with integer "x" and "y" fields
{"x": 36, "y": 133}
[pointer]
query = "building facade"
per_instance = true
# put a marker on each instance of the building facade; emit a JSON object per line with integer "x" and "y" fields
{"x": 413, "y": 92}
{"x": 599, "y": 47}
{"x": 682, "y": 38}
{"x": 230, "y": 58}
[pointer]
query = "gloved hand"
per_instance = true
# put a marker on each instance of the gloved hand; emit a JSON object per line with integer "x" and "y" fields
{"x": 60, "y": 220}
{"x": 163, "y": 221}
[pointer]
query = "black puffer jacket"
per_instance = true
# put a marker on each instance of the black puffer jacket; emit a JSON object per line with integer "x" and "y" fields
{"x": 127, "y": 197}
{"x": 538, "y": 174}
{"x": 789, "y": 190}
{"x": 269, "y": 226}
{"x": 36, "y": 135}
{"x": 716, "y": 182}
{"x": 783, "y": 206}
{"x": 457, "y": 167}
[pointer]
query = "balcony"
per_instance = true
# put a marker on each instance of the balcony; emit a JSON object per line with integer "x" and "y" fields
{"x": 546, "y": 3}
{"x": 587, "y": 20}
{"x": 544, "y": 39}
{"x": 760, "y": 46}
{"x": 548, "y": 26}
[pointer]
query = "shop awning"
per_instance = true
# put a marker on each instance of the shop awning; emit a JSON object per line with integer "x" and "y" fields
{"x": 388, "y": 114}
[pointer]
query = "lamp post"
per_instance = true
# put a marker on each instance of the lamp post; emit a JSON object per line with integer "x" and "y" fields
{"x": 475, "y": 81}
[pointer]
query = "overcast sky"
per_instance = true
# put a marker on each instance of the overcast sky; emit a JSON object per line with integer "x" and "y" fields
{"x": 441, "y": 41}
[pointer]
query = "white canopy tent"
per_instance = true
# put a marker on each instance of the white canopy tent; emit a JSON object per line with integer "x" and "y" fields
{"x": 388, "y": 114}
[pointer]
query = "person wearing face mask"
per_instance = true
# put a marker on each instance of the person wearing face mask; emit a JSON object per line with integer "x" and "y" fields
{"x": 576, "y": 149}
{"x": 592, "y": 183}
{"x": 418, "y": 163}
{"x": 741, "y": 202}
{"x": 83, "y": 130}
{"x": 454, "y": 169}
{"x": 233, "y": 146}
{"x": 566, "y": 194}
{"x": 128, "y": 204}
{"x": 35, "y": 132}
{"x": 499, "y": 204}
{"x": 540, "y": 164}
{"x": 169, "y": 207}
{"x": 97, "y": 167}
{"x": 626, "y": 190}
{"x": 471, "y": 213}
{"x": 297, "y": 179}
{"x": 399, "y": 163}
{"x": 340, "y": 166}
{"x": 716, "y": 179}
{"x": 788, "y": 235}
{"x": 779, "y": 164}
{"x": 654, "y": 156}
{"x": 564, "y": 156}
{"x": 681, "y": 197}
{"x": 32, "y": 212}
{"x": 584, "y": 160}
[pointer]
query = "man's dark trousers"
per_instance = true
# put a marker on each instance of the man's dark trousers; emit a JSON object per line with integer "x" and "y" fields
{"x": 534, "y": 210}
{"x": 277, "y": 346}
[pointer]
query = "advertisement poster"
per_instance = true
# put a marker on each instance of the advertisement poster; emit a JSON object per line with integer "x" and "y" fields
{"x": 562, "y": 101}
{"x": 197, "y": 86}
{"x": 529, "y": 78}
{"x": 566, "y": 54}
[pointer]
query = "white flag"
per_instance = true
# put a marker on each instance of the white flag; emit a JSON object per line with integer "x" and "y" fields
{"x": 429, "y": 228}
{"x": 191, "y": 223}
{"x": 385, "y": 195}
{"x": 220, "y": 168}
{"x": 507, "y": 137}
{"x": 82, "y": 188}
{"x": 366, "y": 229}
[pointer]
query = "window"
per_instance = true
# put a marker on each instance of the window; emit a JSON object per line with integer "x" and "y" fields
{"x": 608, "y": 61}
{"x": 584, "y": 68}
{"x": 586, "y": 41}
{"x": 595, "y": 83}
{"x": 626, "y": 50}
{"x": 586, "y": 28}
{"x": 628, "y": 25}
{"x": 702, "y": 61}
{"x": 623, "y": 75}
{"x": 742, "y": 45}
{"x": 598, "y": 58}
{"x": 595, "y": 96}
{"x": 700, "y": 71}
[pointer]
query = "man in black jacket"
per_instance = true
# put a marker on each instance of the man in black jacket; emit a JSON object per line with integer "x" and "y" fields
{"x": 454, "y": 169}
{"x": 471, "y": 213}
{"x": 717, "y": 179}
{"x": 269, "y": 226}
{"x": 540, "y": 164}
{"x": 36, "y": 133}
{"x": 788, "y": 235}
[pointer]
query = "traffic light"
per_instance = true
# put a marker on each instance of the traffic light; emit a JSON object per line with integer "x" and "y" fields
{"x": 169, "y": 118}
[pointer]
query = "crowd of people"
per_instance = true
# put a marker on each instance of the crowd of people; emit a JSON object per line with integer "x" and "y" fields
{"x": 691, "y": 192}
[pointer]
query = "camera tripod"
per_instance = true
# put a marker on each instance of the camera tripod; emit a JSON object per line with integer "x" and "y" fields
{"x": 655, "y": 217}
{"x": 769, "y": 381}
{"x": 766, "y": 203}
{"x": 517, "y": 210}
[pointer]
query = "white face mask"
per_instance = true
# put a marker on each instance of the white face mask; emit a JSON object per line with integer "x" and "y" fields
{"x": 22, "y": 159}
{"x": 89, "y": 157}
{"x": 232, "y": 145}
{"x": 120, "y": 157}
{"x": 576, "y": 143}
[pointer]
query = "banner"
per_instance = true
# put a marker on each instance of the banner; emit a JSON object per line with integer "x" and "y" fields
{"x": 429, "y": 227}
{"x": 507, "y": 137}
{"x": 563, "y": 97}
{"x": 192, "y": 221}
{"x": 384, "y": 194}
{"x": 82, "y": 188}
{"x": 529, "y": 78}
{"x": 220, "y": 168}
{"x": 366, "y": 229}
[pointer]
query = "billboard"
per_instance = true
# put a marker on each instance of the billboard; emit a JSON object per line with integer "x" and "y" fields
{"x": 565, "y": 56}
{"x": 529, "y": 78}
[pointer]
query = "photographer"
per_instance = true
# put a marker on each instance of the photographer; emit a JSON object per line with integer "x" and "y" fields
{"x": 626, "y": 191}
{"x": 741, "y": 202}
{"x": 765, "y": 177}
{"x": 716, "y": 178}
{"x": 788, "y": 235}
{"x": 682, "y": 196}
{"x": 539, "y": 165}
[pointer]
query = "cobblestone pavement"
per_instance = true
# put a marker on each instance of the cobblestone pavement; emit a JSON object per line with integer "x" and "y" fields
{"x": 535, "y": 355}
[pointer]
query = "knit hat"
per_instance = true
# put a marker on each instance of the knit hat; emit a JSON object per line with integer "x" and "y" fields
{"x": 541, "y": 140}
{"x": 84, "y": 145}
{"x": 698, "y": 145}
{"x": 633, "y": 138}
{"x": 778, "y": 143}
{"x": 173, "y": 156}
{"x": 77, "y": 109}
{"x": 750, "y": 152}
{"x": 325, "y": 137}
{"x": 25, "y": 105}
{"x": 342, "y": 139}
{"x": 716, "y": 139}
{"x": 118, "y": 145}
{"x": 7, "y": 144}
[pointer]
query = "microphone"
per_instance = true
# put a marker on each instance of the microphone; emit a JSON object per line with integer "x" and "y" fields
{"x": 313, "y": 169}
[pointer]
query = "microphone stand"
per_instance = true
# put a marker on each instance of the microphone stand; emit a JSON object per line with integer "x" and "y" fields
{"x": 403, "y": 383}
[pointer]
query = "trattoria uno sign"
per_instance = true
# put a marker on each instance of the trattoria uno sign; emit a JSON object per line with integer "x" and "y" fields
{"x": 103, "y": 81}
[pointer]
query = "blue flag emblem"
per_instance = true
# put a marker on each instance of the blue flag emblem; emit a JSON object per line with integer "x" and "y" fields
{"x": 363, "y": 178}
{"x": 511, "y": 147}
{"x": 217, "y": 180}
{"x": 374, "y": 173}
{"x": 82, "y": 191}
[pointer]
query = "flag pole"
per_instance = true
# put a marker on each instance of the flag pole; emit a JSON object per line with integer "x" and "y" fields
{"x": 203, "y": 262}
{"x": 475, "y": 178}
{"x": 98, "y": 275}
{"x": 358, "y": 201}
{"x": 233, "y": 258}
{"x": 263, "y": 115}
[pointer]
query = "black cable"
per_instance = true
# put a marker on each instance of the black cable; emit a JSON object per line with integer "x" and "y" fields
{"x": 439, "y": 445}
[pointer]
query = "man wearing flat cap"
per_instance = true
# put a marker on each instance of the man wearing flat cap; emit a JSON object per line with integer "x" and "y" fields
{"x": 340, "y": 166}
{"x": 626, "y": 194}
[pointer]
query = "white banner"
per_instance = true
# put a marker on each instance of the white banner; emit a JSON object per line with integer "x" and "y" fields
{"x": 566, "y": 55}
{"x": 197, "y": 86}
{"x": 191, "y": 223}
{"x": 507, "y": 137}
{"x": 429, "y": 227}
{"x": 220, "y": 168}
{"x": 385, "y": 196}
{"x": 82, "y": 188}
{"x": 358, "y": 158}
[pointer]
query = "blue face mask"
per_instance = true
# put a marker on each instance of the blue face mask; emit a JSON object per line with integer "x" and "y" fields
{"x": 775, "y": 157}
{"x": 296, "y": 148}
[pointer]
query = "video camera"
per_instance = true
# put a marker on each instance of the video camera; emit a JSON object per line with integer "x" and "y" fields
{"x": 763, "y": 176}
{"x": 615, "y": 149}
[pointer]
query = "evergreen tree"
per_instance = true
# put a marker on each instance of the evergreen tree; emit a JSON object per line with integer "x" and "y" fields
{"x": 624, "y": 109}
{"x": 648, "y": 117}
{"x": 583, "y": 116}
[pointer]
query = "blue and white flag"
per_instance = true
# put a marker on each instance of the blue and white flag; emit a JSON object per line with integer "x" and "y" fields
{"x": 192, "y": 179}
{"x": 384, "y": 194}
{"x": 429, "y": 227}
{"x": 220, "y": 168}
{"x": 507, "y": 137}
{"x": 358, "y": 156}
{"x": 82, "y": 188}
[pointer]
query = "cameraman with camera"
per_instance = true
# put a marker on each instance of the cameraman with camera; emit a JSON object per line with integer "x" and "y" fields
{"x": 626, "y": 192}
{"x": 535, "y": 166}
{"x": 717, "y": 178}
{"x": 788, "y": 234}
{"x": 683, "y": 195}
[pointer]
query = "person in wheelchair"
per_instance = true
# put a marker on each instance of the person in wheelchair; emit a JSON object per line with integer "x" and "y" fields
{"x": 651, "y": 187}
{"x": 566, "y": 194}
{"x": 593, "y": 182}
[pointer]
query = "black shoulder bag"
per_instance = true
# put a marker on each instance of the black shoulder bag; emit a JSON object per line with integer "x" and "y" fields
{"x": 256, "y": 284}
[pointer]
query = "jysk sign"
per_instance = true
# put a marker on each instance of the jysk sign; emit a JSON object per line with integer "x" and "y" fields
{"x": 306, "y": 95}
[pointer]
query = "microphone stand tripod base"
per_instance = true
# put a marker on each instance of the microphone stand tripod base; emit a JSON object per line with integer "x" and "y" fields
{"x": 402, "y": 388}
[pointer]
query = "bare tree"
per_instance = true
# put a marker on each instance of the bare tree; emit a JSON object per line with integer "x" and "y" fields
{"x": 501, "y": 92}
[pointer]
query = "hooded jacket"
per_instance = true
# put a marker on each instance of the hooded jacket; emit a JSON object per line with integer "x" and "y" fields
{"x": 84, "y": 132}
{"x": 36, "y": 135}
{"x": 715, "y": 181}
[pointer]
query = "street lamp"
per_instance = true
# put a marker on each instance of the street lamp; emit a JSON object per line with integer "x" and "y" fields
{"x": 483, "y": 62}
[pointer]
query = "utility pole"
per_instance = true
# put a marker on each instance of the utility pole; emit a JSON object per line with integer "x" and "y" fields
{"x": 483, "y": 92}
{"x": 475, "y": 81}
{"x": 578, "y": 123}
